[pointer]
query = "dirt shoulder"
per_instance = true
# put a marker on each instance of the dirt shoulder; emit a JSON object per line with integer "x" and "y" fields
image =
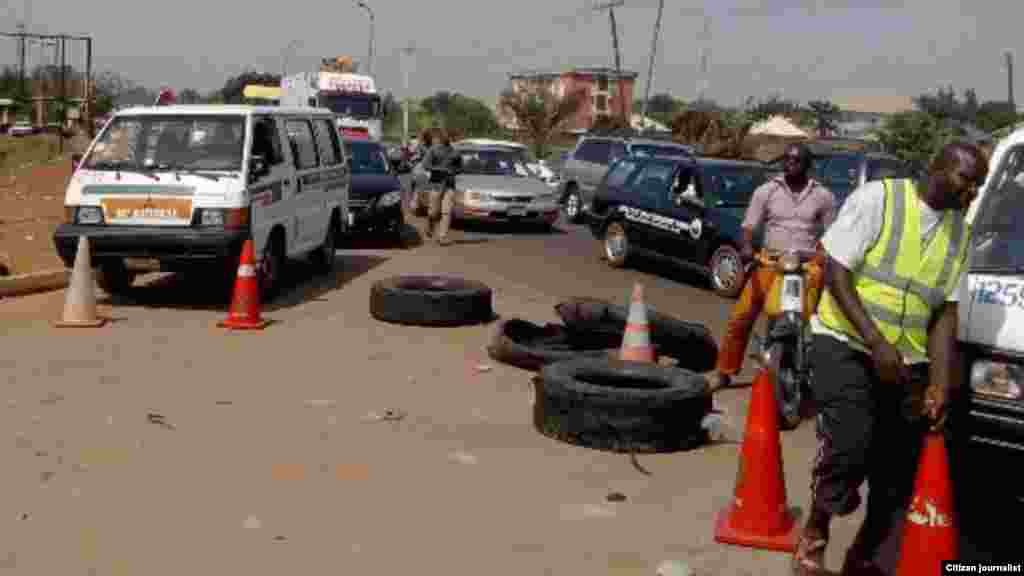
{"x": 31, "y": 207}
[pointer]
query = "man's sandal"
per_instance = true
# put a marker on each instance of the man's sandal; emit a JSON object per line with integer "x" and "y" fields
{"x": 809, "y": 558}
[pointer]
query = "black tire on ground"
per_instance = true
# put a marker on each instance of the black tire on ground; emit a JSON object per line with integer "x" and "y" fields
{"x": 689, "y": 343}
{"x": 431, "y": 301}
{"x": 618, "y": 406}
{"x": 530, "y": 346}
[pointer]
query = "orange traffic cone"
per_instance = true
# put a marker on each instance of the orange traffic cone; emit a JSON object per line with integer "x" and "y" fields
{"x": 757, "y": 517}
{"x": 245, "y": 300}
{"x": 80, "y": 302}
{"x": 636, "y": 341}
{"x": 930, "y": 531}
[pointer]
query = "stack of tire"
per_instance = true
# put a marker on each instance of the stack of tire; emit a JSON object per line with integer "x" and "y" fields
{"x": 584, "y": 395}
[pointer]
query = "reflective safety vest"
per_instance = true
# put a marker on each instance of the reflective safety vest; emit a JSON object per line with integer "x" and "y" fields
{"x": 899, "y": 285}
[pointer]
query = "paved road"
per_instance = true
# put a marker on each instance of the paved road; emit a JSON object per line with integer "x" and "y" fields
{"x": 270, "y": 460}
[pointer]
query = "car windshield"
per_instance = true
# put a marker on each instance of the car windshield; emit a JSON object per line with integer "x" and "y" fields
{"x": 998, "y": 239}
{"x": 366, "y": 158}
{"x": 163, "y": 142}
{"x": 353, "y": 105}
{"x": 494, "y": 162}
{"x": 655, "y": 150}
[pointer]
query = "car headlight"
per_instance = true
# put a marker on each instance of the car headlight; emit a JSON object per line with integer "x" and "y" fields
{"x": 998, "y": 379}
{"x": 390, "y": 199}
{"x": 234, "y": 218}
{"x": 479, "y": 196}
{"x": 90, "y": 215}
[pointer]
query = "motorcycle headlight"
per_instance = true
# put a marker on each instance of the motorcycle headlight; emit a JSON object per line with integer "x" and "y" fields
{"x": 390, "y": 199}
{"x": 790, "y": 262}
{"x": 998, "y": 379}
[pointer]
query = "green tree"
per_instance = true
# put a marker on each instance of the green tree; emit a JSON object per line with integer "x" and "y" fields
{"x": 539, "y": 113}
{"x": 460, "y": 114}
{"x": 915, "y": 136}
{"x": 825, "y": 114}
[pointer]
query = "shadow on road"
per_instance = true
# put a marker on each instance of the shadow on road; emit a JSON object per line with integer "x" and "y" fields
{"x": 507, "y": 228}
{"x": 666, "y": 269}
{"x": 203, "y": 291}
{"x": 410, "y": 238}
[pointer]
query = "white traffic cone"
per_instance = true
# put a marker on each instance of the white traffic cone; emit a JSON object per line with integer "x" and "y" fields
{"x": 636, "y": 341}
{"x": 80, "y": 301}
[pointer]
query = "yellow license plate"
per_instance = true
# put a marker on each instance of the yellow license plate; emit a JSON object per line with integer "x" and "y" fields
{"x": 166, "y": 209}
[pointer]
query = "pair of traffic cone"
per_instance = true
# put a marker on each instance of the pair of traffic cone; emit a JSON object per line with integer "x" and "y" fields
{"x": 758, "y": 516}
{"x": 636, "y": 340}
{"x": 244, "y": 313}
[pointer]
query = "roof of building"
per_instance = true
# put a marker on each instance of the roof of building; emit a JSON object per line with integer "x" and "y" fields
{"x": 874, "y": 103}
{"x": 575, "y": 70}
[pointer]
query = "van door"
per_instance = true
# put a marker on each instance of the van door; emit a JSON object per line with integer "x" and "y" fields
{"x": 270, "y": 194}
{"x": 309, "y": 190}
{"x": 334, "y": 170}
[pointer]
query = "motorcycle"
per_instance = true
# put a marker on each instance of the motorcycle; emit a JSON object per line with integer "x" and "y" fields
{"x": 785, "y": 346}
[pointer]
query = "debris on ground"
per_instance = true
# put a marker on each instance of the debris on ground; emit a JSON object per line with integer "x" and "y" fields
{"x": 224, "y": 402}
{"x": 616, "y": 497}
{"x": 159, "y": 420}
{"x": 483, "y": 368}
{"x": 389, "y": 415}
{"x": 673, "y": 568}
{"x": 51, "y": 399}
{"x": 462, "y": 457}
{"x": 720, "y": 428}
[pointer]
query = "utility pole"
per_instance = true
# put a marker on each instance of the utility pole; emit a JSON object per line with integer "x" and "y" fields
{"x": 650, "y": 66}
{"x": 1009, "y": 80}
{"x": 369, "y": 63}
{"x": 702, "y": 76}
{"x": 407, "y": 52}
{"x": 610, "y": 7}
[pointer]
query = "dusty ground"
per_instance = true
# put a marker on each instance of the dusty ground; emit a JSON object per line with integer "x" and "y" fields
{"x": 268, "y": 458}
{"x": 31, "y": 207}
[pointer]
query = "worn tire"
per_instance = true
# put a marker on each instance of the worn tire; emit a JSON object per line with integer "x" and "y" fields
{"x": 618, "y": 406}
{"x": 690, "y": 343}
{"x": 431, "y": 301}
{"x": 530, "y": 346}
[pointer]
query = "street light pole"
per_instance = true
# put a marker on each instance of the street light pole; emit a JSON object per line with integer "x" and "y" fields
{"x": 407, "y": 52}
{"x": 284, "y": 56}
{"x": 369, "y": 63}
{"x": 650, "y": 67}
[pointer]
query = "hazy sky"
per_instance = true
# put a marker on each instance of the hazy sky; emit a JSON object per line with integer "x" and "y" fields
{"x": 804, "y": 49}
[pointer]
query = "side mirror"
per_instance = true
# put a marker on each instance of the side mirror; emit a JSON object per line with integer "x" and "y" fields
{"x": 76, "y": 159}
{"x": 258, "y": 167}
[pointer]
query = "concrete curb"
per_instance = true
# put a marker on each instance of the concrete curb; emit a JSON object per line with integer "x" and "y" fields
{"x": 22, "y": 284}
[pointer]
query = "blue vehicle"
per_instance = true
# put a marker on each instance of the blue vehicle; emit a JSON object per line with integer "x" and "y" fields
{"x": 375, "y": 199}
{"x": 686, "y": 209}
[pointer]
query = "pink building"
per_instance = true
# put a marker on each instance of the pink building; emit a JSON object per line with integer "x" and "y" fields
{"x": 607, "y": 92}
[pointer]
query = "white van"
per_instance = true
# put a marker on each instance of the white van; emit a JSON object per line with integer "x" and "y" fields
{"x": 187, "y": 186}
{"x": 991, "y": 327}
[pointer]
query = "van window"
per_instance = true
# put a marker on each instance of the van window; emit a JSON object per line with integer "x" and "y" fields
{"x": 266, "y": 140}
{"x": 999, "y": 239}
{"x": 327, "y": 142}
{"x": 300, "y": 134}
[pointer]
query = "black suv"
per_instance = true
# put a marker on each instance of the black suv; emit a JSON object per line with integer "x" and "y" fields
{"x": 843, "y": 171}
{"x": 688, "y": 210}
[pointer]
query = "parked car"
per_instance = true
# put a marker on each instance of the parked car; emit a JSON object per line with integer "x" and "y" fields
{"x": 586, "y": 165}
{"x": 843, "y": 171}
{"x": 988, "y": 425}
{"x": 188, "y": 185}
{"x": 538, "y": 167}
{"x": 375, "y": 197}
{"x": 493, "y": 184}
{"x": 639, "y": 209}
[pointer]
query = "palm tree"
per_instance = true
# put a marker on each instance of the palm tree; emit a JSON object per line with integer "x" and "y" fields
{"x": 540, "y": 113}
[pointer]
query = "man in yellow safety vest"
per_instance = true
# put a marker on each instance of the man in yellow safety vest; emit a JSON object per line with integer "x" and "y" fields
{"x": 884, "y": 347}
